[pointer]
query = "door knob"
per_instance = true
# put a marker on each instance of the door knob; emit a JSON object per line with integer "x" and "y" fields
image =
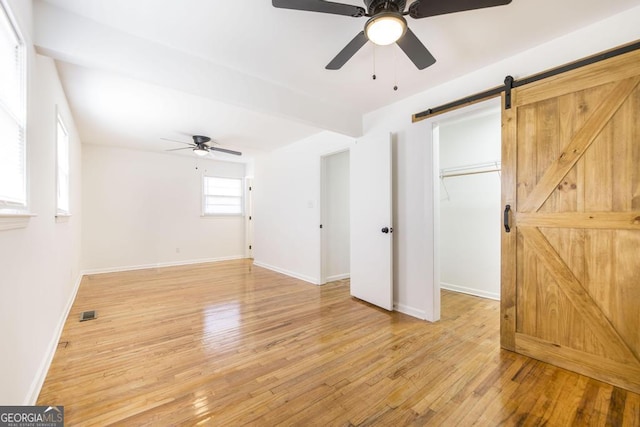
{"x": 385, "y": 230}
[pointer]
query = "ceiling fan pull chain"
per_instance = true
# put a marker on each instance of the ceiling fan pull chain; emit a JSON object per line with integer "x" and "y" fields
{"x": 374, "y": 61}
{"x": 395, "y": 70}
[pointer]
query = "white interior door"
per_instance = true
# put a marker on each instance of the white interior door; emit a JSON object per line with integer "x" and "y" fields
{"x": 371, "y": 221}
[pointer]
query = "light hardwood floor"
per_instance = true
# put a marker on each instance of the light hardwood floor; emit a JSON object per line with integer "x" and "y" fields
{"x": 232, "y": 344}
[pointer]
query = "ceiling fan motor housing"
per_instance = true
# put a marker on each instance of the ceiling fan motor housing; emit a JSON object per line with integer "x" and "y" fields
{"x": 377, "y": 6}
{"x": 200, "y": 139}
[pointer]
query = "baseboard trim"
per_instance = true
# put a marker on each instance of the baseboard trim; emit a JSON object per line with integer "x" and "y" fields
{"x": 41, "y": 375}
{"x": 309, "y": 279}
{"x": 338, "y": 277}
{"x": 470, "y": 291}
{"x": 159, "y": 265}
{"x": 410, "y": 311}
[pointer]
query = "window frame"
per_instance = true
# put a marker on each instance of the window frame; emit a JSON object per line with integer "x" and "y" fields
{"x": 60, "y": 125}
{"x": 241, "y": 197}
{"x": 17, "y": 207}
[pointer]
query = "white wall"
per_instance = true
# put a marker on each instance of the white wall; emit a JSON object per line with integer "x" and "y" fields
{"x": 336, "y": 221}
{"x": 144, "y": 209}
{"x": 39, "y": 264}
{"x": 470, "y": 206}
{"x": 286, "y": 195}
{"x": 414, "y": 287}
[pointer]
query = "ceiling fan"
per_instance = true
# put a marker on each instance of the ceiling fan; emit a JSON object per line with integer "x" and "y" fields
{"x": 386, "y": 23}
{"x": 201, "y": 146}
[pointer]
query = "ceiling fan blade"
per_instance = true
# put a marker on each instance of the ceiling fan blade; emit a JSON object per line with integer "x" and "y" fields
{"x": 224, "y": 150}
{"x": 320, "y": 6}
{"x": 175, "y": 140}
{"x": 415, "y": 50}
{"x": 182, "y": 148}
{"x": 348, "y": 51}
{"x": 425, "y": 8}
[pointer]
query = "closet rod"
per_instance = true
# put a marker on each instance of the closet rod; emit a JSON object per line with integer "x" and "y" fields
{"x": 449, "y": 175}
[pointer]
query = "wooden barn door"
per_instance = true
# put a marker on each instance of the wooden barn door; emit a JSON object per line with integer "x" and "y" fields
{"x": 571, "y": 262}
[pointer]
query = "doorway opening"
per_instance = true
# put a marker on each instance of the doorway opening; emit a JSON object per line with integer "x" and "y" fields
{"x": 467, "y": 190}
{"x": 335, "y": 217}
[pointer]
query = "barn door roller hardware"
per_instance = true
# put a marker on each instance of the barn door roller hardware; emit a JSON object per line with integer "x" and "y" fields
{"x": 508, "y": 85}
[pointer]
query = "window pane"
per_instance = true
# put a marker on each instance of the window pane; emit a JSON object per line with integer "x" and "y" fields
{"x": 227, "y": 210}
{"x": 225, "y": 192}
{"x": 12, "y": 116}
{"x": 222, "y": 196}
{"x": 12, "y": 184}
{"x": 10, "y": 67}
{"x": 228, "y": 201}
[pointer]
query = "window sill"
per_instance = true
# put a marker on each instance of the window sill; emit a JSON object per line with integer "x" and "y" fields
{"x": 62, "y": 217}
{"x": 12, "y": 221}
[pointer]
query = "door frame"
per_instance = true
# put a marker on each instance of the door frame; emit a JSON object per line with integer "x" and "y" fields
{"x": 248, "y": 217}
{"x": 323, "y": 211}
{"x": 434, "y": 138}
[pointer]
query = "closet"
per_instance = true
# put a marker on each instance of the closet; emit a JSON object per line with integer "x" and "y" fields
{"x": 469, "y": 161}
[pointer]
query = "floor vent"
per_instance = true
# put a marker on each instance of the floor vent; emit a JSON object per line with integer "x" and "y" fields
{"x": 87, "y": 315}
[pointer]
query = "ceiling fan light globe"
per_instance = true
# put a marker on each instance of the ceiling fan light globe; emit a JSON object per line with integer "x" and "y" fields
{"x": 200, "y": 151}
{"x": 385, "y": 28}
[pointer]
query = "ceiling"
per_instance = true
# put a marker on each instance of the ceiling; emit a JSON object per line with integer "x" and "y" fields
{"x": 252, "y": 76}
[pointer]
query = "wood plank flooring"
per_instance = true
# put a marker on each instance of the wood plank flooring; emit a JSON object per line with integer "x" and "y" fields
{"x": 229, "y": 344}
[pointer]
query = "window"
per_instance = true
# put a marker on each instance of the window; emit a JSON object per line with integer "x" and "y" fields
{"x": 62, "y": 144}
{"x": 13, "y": 186}
{"x": 222, "y": 196}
